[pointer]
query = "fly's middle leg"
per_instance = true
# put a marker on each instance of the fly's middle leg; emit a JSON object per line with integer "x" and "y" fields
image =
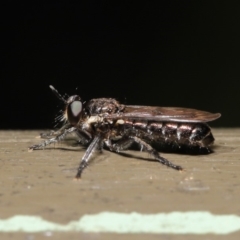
{"x": 96, "y": 142}
{"x": 120, "y": 145}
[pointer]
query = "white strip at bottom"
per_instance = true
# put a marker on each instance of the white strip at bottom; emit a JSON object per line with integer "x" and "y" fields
{"x": 113, "y": 222}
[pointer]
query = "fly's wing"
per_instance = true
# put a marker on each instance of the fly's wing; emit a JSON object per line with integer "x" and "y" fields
{"x": 164, "y": 114}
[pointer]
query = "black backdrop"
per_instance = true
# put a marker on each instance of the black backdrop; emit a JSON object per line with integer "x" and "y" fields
{"x": 167, "y": 53}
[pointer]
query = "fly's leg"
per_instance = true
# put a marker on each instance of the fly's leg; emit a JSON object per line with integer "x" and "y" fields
{"x": 148, "y": 148}
{"x": 48, "y": 134}
{"x": 51, "y": 134}
{"x": 53, "y": 140}
{"x": 100, "y": 146}
{"x": 96, "y": 142}
{"x": 120, "y": 145}
{"x": 84, "y": 137}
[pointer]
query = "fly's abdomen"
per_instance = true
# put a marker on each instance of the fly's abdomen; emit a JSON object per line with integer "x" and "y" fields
{"x": 189, "y": 136}
{"x": 198, "y": 134}
{"x": 182, "y": 134}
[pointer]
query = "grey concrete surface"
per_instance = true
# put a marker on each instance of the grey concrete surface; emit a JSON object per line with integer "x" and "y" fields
{"x": 41, "y": 183}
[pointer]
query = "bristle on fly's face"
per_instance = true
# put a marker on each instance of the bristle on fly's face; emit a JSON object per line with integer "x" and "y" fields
{"x": 61, "y": 118}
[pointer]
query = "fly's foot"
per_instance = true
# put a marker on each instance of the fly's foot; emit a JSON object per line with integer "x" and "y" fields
{"x": 34, "y": 147}
{"x": 82, "y": 166}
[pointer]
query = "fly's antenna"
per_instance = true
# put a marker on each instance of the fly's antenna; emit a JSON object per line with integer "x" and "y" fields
{"x": 59, "y": 96}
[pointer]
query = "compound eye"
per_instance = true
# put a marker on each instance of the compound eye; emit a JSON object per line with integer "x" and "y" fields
{"x": 74, "y": 112}
{"x": 76, "y": 108}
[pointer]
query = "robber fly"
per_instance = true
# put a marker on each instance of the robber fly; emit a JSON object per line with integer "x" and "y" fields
{"x": 104, "y": 122}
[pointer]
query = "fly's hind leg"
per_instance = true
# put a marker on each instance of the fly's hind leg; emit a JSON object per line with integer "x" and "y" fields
{"x": 148, "y": 148}
{"x": 55, "y": 139}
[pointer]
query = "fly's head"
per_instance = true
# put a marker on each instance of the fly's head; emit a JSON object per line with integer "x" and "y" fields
{"x": 73, "y": 107}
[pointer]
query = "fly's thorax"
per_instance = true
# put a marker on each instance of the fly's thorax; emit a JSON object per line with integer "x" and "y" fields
{"x": 94, "y": 120}
{"x": 90, "y": 122}
{"x": 103, "y": 106}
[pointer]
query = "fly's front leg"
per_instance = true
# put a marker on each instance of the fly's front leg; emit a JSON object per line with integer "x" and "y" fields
{"x": 56, "y": 139}
{"x": 96, "y": 142}
{"x": 51, "y": 134}
{"x": 48, "y": 134}
{"x": 148, "y": 148}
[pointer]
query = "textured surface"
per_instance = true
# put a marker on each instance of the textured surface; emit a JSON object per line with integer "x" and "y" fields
{"x": 41, "y": 182}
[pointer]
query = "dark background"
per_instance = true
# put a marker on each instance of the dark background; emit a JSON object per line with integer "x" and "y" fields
{"x": 166, "y": 53}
